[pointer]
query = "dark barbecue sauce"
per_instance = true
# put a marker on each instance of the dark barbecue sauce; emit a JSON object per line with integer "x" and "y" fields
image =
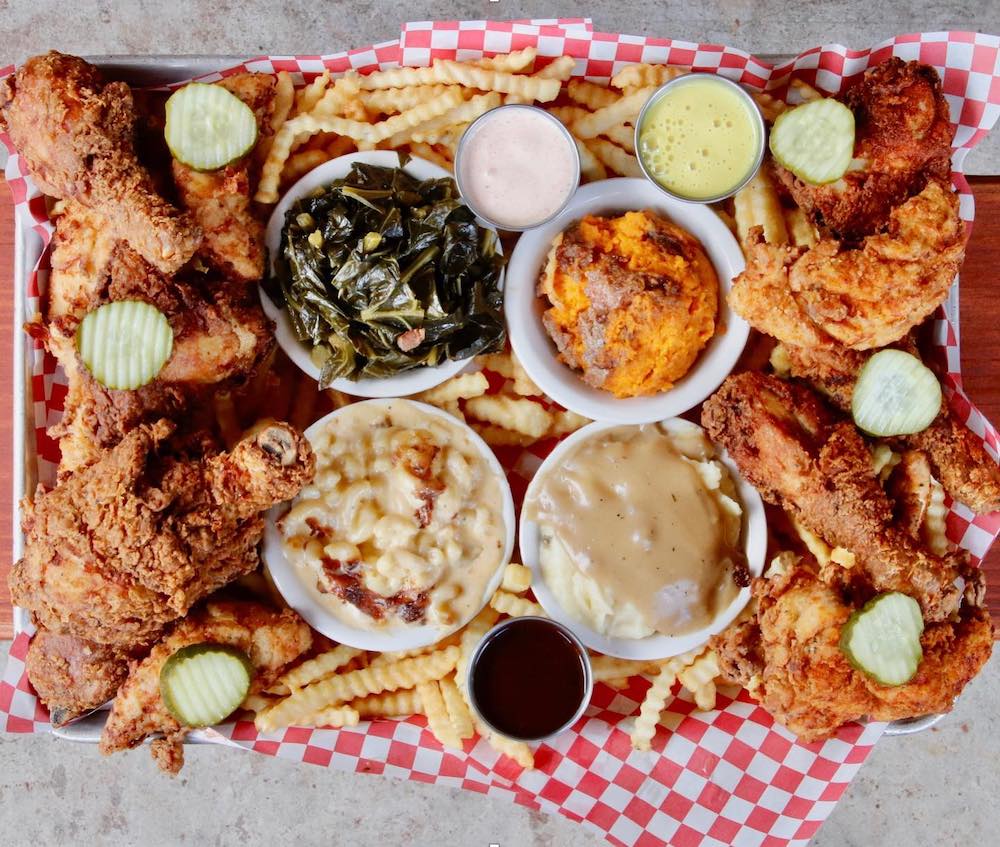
{"x": 528, "y": 680}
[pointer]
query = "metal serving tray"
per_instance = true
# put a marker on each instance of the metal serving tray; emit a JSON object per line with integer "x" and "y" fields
{"x": 151, "y": 71}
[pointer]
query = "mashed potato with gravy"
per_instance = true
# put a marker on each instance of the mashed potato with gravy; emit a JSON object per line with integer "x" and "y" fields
{"x": 632, "y": 301}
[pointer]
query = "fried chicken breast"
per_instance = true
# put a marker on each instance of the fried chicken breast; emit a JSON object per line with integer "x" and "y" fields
{"x": 76, "y": 134}
{"x": 903, "y": 138}
{"x": 129, "y": 543}
{"x": 271, "y": 639}
{"x": 795, "y": 452}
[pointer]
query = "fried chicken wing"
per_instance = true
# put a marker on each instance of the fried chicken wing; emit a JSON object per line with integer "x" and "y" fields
{"x": 789, "y": 654}
{"x": 790, "y": 447}
{"x": 73, "y": 676}
{"x": 860, "y": 298}
{"x": 124, "y": 546}
{"x": 220, "y": 200}
{"x": 76, "y": 134}
{"x": 271, "y": 639}
{"x": 957, "y": 456}
{"x": 903, "y": 137}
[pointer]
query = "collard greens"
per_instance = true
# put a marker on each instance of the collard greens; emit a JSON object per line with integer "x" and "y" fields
{"x": 382, "y": 273}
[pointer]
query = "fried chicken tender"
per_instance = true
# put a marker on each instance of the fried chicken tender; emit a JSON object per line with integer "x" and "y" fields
{"x": 903, "y": 138}
{"x": 830, "y": 296}
{"x": 124, "y": 546}
{"x": 72, "y": 675}
{"x": 271, "y": 639}
{"x": 220, "y": 333}
{"x": 790, "y": 447}
{"x": 220, "y": 200}
{"x": 790, "y": 657}
{"x": 76, "y": 134}
{"x": 957, "y": 456}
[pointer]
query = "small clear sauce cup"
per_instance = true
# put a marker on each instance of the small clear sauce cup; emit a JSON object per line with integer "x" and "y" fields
{"x": 755, "y": 116}
{"x": 464, "y": 188}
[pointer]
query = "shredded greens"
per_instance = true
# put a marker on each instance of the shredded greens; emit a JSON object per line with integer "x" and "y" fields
{"x": 383, "y": 273}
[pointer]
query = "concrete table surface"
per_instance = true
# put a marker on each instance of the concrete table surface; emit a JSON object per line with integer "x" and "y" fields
{"x": 934, "y": 788}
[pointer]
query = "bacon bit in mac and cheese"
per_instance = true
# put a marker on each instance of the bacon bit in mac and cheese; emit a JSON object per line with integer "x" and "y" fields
{"x": 403, "y": 522}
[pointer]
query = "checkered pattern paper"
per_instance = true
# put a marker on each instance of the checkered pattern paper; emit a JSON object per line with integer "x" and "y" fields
{"x": 729, "y": 776}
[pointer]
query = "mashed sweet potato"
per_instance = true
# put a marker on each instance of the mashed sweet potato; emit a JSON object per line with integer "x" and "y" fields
{"x": 633, "y": 300}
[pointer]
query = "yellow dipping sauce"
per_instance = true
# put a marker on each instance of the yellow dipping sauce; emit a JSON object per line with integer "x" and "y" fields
{"x": 700, "y": 139}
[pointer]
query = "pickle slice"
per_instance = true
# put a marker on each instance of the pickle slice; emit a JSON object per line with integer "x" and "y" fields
{"x": 125, "y": 344}
{"x": 208, "y": 127}
{"x": 896, "y": 394}
{"x": 202, "y": 684}
{"x": 815, "y": 141}
{"x": 883, "y": 638}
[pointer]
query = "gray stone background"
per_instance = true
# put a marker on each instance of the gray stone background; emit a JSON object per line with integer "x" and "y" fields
{"x": 936, "y": 788}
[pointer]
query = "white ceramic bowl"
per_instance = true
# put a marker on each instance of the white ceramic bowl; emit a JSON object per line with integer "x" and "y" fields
{"x": 754, "y": 540}
{"x": 402, "y": 636}
{"x": 536, "y": 350}
{"x": 410, "y": 382}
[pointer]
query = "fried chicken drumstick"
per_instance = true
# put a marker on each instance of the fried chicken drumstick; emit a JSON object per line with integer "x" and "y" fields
{"x": 124, "y": 546}
{"x": 793, "y": 450}
{"x": 76, "y": 134}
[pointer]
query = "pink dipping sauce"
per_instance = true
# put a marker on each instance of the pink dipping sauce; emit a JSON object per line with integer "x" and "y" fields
{"x": 517, "y": 167}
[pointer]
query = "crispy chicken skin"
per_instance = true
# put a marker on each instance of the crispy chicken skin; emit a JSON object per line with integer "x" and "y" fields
{"x": 789, "y": 656}
{"x": 76, "y": 134}
{"x": 124, "y": 546}
{"x": 220, "y": 333}
{"x": 72, "y": 675}
{"x": 903, "y": 137}
{"x": 271, "y": 639}
{"x": 221, "y": 200}
{"x": 957, "y": 456}
{"x": 860, "y": 298}
{"x": 790, "y": 447}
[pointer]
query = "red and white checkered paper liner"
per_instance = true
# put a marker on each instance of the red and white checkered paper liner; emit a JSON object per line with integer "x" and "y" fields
{"x": 729, "y": 776}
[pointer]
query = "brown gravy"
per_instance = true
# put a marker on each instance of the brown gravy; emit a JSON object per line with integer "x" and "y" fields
{"x": 637, "y": 516}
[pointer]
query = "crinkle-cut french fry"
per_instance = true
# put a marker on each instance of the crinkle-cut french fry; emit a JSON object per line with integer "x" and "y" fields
{"x": 511, "y": 63}
{"x": 284, "y": 99}
{"x": 356, "y": 684}
{"x": 802, "y": 91}
{"x": 520, "y": 752}
{"x": 515, "y": 606}
{"x": 458, "y": 711}
{"x": 464, "y": 112}
{"x": 800, "y": 228}
{"x": 934, "y": 529}
{"x": 698, "y": 678}
{"x": 516, "y": 578}
{"x": 523, "y": 384}
{"x": 605, "y": 668}
{"x": 428, "y": 153}
{"x": 461, "y": 387}
{"x": 226, "y": 418}
{"x": 278, "y": 688}
{"x": 758, "y": 204}
{"x": 591, "y": 168}
{"x": 590, "y": 94}
{"x": 520, "y": 415}
{"x": 354, "y": 110}
{"x": 769, "y": 105}
{"x": 560, "y": 69}
{"x": 654, "y": 703}
{"x": 611, "y": 155}
{"x": 299, "y": 164}
{"x": 470, "y": 638}
{"x": 618, "y": 682}
{"x": 335, "y": 716}
{"x": 453, "y": 409}
{"x": 399, "y": 655}
{"x": 532, "y": 87}
{"x": 257, "y": 702}
{"x": 336, "y": 96}
{"x": 567, "y": 115}
{"x": 319, "y": 666}
{"x": 644, "y": 76}
{"x": 389, "y": 704}
{"x": 498, "y": 363}
{"x": 340, "y": 146}
{"x": 307, "y": 97}
{"x": 565, "y": 422}
{"x": 726, "y": 218}
{"x": 438, "y": 720}
{"x": 624, "y": 110}
{"x": 624, "y": 136}
{"x": 388, "y": 101}
{"x": 498, "y": 436}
